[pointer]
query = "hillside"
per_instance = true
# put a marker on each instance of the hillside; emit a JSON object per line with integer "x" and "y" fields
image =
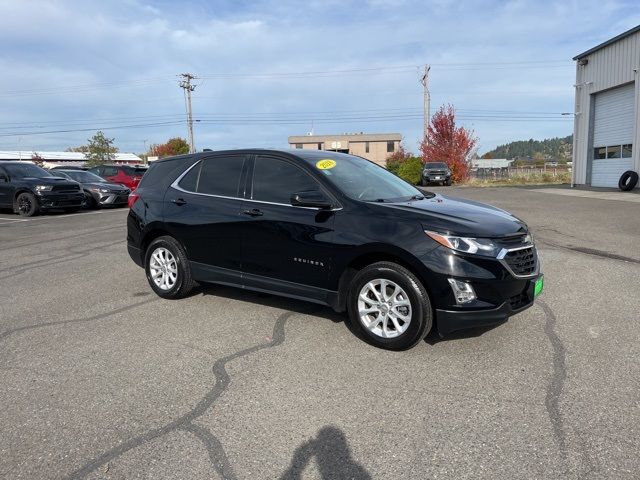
{"x": 550, "y": 148}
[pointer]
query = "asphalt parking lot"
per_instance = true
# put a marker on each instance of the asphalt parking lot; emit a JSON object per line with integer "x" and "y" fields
{"x": 102, "y": 379}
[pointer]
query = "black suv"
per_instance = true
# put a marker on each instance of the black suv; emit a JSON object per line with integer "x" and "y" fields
{"x": 333, "y": 229}
{"x": 29, "y": 189}
{"x": 436, "y": 172}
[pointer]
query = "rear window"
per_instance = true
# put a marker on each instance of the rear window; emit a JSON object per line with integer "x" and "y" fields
{"x": 221, "y": 175}
{"x": 165, "y": 172}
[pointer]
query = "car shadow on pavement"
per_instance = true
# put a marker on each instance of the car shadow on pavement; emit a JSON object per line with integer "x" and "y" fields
{"x": 273, "y": 301}
{"x": 434, "y": 337}
{"x": 332, "y": 455}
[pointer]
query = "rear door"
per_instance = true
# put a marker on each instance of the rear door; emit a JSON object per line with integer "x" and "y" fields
{"x": 202, "y": 208}
{"x": 6, "y": 190}
{"x": 284, "y": 247}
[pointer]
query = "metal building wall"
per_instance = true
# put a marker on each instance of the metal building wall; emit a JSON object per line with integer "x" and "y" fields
{"x": 608, "y": 67}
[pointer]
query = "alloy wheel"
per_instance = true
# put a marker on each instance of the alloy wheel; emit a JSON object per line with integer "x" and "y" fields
{"x": 384, "y": 308}
{"x": 163, "y": 268}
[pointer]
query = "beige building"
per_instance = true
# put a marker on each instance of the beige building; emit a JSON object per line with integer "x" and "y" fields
{"x": 372, "y": 146}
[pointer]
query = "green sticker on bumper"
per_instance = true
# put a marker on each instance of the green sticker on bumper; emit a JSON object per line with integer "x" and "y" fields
{"x": 538, "y": 286}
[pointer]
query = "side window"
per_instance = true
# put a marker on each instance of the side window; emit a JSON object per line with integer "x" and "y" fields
{"x": 221, "y": 175}
{"x": 110, "y": 171}
{"x": 275, "y": 180}
{"x": 190, "y": 181}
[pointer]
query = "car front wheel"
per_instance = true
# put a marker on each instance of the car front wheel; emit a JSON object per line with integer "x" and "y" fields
{"x": 27, "y": 205}
{"x": 167, "y": 268}
{"x": 389, "y": 307}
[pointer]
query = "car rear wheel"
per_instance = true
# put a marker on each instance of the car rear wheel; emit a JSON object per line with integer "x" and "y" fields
{"x": 167, "y": 268}
{"x": 389, "y": 307}
{"x": 27, "y": 205}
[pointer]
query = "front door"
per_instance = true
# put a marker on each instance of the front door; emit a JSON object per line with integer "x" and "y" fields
{"x": 202, "y": 210}
{"x": 284, "y": 246}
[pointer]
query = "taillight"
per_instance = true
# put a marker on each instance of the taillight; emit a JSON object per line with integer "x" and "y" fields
{"x": 133, "y": 198}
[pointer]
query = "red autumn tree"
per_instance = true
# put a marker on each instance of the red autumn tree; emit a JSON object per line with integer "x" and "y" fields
{"x": 174, "y": 146}
{"x": 449, "y": 144}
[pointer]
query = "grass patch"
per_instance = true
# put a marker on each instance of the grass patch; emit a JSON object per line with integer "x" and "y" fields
{"x": 516, "y": 180}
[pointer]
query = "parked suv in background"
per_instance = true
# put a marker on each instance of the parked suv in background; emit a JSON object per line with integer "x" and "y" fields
{"x": 436, "y": 172}
{"x": 127, "y": 175}
{"x": 333, "y": 229}
{"x": 98, "y": 192}
{"x": 29, "y": 189}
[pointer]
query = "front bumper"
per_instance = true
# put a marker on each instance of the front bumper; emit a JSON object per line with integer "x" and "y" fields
{"x": 111, "y": 199}
{"x": 451, "y": 320}
{"x": 60, "y": 200}
{"x": 432, "y": 177}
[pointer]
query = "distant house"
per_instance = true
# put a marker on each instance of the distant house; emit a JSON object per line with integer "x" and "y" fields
{"x": 69, "y": 159}
{"x": 490, "y": 163}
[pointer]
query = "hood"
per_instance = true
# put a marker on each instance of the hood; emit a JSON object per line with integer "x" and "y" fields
{"x": 49, "y": 180}
{"x": 459, "y": 216}
{"x": 114, "y": 187}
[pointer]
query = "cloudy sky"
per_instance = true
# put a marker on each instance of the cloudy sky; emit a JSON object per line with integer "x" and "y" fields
{"x": 274, "y": 68}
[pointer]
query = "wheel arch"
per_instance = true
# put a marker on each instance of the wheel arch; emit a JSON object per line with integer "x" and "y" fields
{"x": 376, "y": 254}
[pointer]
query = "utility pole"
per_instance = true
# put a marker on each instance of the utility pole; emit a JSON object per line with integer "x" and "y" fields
{"x": 427, "y": 100}
{"x": 188, "y": 87}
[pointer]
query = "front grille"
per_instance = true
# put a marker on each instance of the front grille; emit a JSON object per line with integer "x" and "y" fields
{"x": 522, "y": 262}
{"x": 519, "y": 301}
{"x": 512, "y": 241}
{"x": 433, "y": 172}
{"x": 65, "y": 188}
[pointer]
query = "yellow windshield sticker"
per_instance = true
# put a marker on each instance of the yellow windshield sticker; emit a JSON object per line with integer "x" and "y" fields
{"x": 326, "y": 164}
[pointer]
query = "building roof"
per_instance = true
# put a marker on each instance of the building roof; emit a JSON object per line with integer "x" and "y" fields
{"x": 608, "y": 42}
{"x": 63, "y": 156}
{"x": 353, "y": 137}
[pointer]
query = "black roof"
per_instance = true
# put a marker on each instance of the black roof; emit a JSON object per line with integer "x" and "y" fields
{"x": 308, "y": 154}
{"x": 608, "y": 42}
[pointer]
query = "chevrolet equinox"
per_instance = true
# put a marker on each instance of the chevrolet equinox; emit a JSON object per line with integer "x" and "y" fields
{"x": 333, "y": 229}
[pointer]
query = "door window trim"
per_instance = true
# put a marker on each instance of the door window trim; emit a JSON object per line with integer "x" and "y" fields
{"x": 249, "y": 163}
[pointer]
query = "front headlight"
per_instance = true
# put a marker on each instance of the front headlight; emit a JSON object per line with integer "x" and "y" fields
{"x": 477, "y": 246}
{"x": 43, "y": 188}
{"x": 101, "y": 190}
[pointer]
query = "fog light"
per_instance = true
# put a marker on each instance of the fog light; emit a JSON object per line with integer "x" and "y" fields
{"x": 463, "y": 292}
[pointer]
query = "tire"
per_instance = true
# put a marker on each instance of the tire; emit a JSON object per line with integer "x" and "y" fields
{"x": 177, "y": 272}
{"x": 419, "y": 313}
{"x": 628, "y": 181}
{"x": 90, "y": 202}
{"x": 27, "y": 205}
{"x": 448, "y": 182}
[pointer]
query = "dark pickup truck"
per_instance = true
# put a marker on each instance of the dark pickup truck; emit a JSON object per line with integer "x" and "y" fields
{"x": 28, "y": 189}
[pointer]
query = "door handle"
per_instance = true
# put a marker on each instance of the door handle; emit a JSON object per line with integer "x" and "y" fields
{"x": 179, "y": 201}
{"x": 254, "y": 212}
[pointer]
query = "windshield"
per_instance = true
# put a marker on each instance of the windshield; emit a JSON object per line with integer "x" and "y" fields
{"x": 84, "y": 177}
{"x": 25, "y": 170}
{"x": 435, "y": 165}
{"x": 363, "y": 180}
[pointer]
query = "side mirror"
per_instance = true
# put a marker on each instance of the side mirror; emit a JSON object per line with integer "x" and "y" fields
{"x": 310, "y": 198}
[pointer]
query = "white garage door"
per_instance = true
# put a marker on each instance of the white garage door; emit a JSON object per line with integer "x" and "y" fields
{"x": 614, "y": 114}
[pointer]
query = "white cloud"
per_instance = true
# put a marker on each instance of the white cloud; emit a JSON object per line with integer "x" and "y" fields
{"x": 50, "y": 45}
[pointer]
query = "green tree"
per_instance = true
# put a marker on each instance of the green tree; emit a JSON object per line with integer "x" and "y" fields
{"x": 100, "y": 149}
{"x": 411, "y": 170}
{"x": 397, "y": 158}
